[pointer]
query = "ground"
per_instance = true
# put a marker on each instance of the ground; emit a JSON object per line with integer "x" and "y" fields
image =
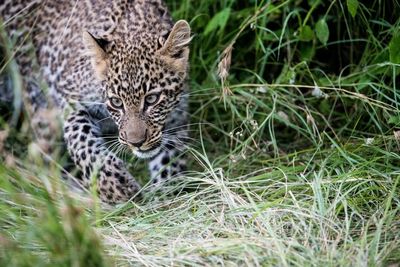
{"x": 294, "y": 158}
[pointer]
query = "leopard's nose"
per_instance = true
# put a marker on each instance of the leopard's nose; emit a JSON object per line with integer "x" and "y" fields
{"x": 135, "y": 139}
{"x": 137, "y": 144}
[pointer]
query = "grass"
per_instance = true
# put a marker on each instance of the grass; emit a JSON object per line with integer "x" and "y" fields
{"x": 295, "y": 159}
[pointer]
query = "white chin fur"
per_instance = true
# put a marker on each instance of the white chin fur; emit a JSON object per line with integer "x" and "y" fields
{"x": 148, "y": 154}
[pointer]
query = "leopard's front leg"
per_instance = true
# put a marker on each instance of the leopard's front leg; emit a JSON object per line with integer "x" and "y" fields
{"x": 171, "y": 161}
{"x": 166, "y": 165}
{"x": 87, "y": 149}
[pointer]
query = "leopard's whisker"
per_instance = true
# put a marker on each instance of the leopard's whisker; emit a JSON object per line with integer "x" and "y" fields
{"x": 114, "y": 145}
{"x": 198, "y": 92}
{"x": 118, "y": 149}
{"x": 192, "y": 124}
{"x": 123, "y": 154}
{"x": 110, "y": 141}
{"x": 173, "y": 142}
{"x": 110, "y": 137}
{"x": 180, "y": 138}
{"x": 88, "y": 102}
{"x": 103, "y": 119}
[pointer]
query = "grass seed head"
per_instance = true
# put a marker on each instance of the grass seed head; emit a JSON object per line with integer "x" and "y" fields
{"x": 223, "y": 68}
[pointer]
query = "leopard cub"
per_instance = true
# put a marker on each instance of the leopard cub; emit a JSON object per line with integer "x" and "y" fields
{"x": 111, "y": 68}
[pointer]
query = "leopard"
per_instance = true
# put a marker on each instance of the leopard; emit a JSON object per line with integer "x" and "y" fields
{"x": 105, "y": 76}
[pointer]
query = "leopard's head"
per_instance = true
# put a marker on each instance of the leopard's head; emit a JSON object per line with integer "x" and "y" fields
{"x": 143, "y": 79}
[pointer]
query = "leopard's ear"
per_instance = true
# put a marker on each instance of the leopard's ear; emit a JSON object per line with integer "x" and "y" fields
{"x": 176, "y": 47}
{"x": 95, "y": 49}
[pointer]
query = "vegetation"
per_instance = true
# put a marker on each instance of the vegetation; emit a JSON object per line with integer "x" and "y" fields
{"x": 294, "y": 159}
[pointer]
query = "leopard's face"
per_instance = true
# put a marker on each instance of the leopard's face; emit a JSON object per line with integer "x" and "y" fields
{"x": 143, "y": 81}
{"x": 141, "y": 91}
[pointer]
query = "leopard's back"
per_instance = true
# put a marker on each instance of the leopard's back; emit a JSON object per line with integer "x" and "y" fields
{"x": 55, "y": 30}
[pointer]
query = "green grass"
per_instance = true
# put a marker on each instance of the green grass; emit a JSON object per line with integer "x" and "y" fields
{"x": 295, "y": 160}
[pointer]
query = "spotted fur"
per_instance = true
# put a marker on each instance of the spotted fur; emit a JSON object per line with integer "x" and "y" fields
{"x": 110, "y": 67}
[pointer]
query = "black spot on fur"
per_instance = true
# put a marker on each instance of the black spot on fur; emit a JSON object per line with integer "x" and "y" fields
{"x": 165, "y": 160}
{"x": 86, "y": 129}
{"x": 87, "y": 170}
{"x": 182, "y": 167}
{"x": 169, "y": 146}
{"x": 82, "y": 138}
{"x": 82, "y": 121}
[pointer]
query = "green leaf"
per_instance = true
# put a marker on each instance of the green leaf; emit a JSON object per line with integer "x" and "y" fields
{"x": 352, "y": 6}
{"x": 364, "y": 82}
{"x": 306, "y": 33}
{"x": 218, "y": 21}
{"x": 325, "y": 106}
{"x": 394, "y": 49}
{"x": 394, "y": 120}
{"x": 307, "y": 51}
{"x": 312, "y": 2}
{"x": 322, "y": 30}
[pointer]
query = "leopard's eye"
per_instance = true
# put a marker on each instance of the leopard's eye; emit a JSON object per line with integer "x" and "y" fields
{"x": 151, "y": 99}
{"x": 116, "y": 102}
